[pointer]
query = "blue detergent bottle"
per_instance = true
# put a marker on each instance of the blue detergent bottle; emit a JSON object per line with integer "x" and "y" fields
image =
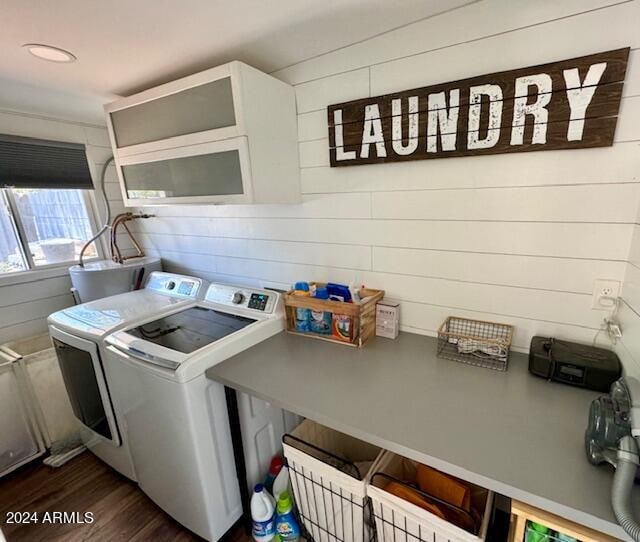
{"x": 303, "y": 315}
{"x": 321, "y": 320}
{"x": 286, "y": 523}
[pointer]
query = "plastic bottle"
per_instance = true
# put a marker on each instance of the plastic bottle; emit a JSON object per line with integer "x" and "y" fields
{"x": 281, "y": 483}
{"x": 262, "y": 514}
{"x": 341, "y": 327}
{"x": 286, "y": 524}
{"x": 274, "y": 469}
{"x": 303, "y": 315}
{"x": 355, "y": 293}
{"x": 321, "y": 320}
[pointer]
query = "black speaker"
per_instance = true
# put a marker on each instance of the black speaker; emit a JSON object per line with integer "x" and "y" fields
{"x": 575, "y": 364}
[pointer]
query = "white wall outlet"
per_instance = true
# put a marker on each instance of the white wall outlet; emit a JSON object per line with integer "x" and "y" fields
{"x": 605, "y": 294}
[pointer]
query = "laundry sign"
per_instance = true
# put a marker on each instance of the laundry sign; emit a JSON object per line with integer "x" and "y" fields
{"x": 561, "y": 105}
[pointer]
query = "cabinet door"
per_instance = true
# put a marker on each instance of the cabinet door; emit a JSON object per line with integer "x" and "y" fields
{"x": 209, "y": 106}
{"x": 208, "y": 173}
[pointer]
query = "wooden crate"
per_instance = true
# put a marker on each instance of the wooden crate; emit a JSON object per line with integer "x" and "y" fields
{"x": 363, "y": 315}
{"x": 521, "y": 513}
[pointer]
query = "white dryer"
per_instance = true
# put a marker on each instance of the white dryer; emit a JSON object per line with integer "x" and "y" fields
{"x": 177, "y": 419}
{"x": 78, "y": 337}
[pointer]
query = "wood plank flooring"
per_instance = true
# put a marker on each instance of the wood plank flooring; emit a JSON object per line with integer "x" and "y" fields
{"x": 121, "y": 511}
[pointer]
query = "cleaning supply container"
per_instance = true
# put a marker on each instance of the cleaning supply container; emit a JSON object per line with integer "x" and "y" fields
{"x": 281, "y": 483}
{"x": 274, "y": 469}
{"x": 403, "y": 512}
{"x": 262, "y": 514}
{"x": 303, "y": 315}
{"x": 329, "y": 472}
{"x": 355, "y": 322}
{"x": 321, "y": 320}
{"x": 287, "y": 527}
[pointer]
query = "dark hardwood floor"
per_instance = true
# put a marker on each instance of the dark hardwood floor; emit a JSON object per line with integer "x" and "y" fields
{"x": 121, "y": 511}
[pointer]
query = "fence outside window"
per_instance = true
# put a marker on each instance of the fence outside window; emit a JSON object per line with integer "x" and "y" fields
{"x": 43, "y": 227}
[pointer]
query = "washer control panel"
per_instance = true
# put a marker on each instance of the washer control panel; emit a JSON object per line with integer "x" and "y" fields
{"x": 258, "y": 300}
{"x": 175, "y": 285}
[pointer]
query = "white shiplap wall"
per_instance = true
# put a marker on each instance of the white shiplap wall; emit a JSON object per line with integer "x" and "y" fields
{"x": 517, "y": 238}
{"x": 629, "y": 308}
{"x": 26, "y": 300}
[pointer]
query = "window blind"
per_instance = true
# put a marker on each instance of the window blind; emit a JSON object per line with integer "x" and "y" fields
{"x": 36, "y": 163}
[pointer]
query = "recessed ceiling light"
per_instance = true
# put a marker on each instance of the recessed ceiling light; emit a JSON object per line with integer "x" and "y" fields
{"x": 47, "y": 52}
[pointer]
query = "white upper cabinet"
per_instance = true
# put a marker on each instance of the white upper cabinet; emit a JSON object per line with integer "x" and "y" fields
{"x": 225, "y": 135}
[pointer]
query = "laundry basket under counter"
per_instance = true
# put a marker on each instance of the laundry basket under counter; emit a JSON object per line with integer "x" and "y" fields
{"x": 329, "y": 472}
{"x": 398, "y": 520}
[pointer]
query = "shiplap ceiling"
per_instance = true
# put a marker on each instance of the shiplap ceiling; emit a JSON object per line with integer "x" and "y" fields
{"x": 124, "y": 46}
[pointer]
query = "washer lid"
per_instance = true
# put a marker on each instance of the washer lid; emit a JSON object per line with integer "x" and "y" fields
{"x": 191, "y": 329}
{"x": 99, "y": 317}
{"x": 169, "y": 340}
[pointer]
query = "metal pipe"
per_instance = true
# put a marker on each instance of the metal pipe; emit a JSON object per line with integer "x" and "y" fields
{"x": 121, "y": 220}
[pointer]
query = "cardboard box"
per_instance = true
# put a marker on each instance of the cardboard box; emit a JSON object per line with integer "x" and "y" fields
{"x": 387, "y": 319}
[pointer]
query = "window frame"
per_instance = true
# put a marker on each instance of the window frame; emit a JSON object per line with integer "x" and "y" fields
{"x": 4, "y": 201}
{"x": 8, "y": 199}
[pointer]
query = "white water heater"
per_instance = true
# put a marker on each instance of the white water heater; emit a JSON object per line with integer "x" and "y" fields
{"x": 105, "y": 277}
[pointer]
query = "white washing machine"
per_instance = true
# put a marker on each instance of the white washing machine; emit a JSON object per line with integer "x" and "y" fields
{"x": 78, "y": 336}
{"x": 177, "y": 419}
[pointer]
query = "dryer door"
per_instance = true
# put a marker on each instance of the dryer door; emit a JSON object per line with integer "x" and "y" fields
{"x": 83, "y": 376}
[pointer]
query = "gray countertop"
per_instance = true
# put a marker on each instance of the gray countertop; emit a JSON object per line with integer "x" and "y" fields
{"x": 516, "y": 434}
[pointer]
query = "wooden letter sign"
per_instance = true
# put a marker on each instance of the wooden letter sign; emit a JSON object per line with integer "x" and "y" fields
{"x": 562, "y": 105}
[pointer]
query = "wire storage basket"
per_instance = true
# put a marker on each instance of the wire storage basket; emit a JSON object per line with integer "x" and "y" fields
{"x": 475, "y": 342}
{"x": 329, "y": 472}
{"x": 404, "y": 513}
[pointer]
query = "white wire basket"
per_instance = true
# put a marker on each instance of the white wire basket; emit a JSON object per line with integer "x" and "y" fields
{"x": 329, "y": 472}
{"x": 398, "y": 520}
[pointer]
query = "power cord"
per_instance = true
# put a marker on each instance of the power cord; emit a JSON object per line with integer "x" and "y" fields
{"x": 481, "y": 349}
{"x": 610, "y": 324}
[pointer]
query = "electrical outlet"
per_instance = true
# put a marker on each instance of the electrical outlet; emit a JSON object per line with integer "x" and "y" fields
{"x": 605, "y": 292}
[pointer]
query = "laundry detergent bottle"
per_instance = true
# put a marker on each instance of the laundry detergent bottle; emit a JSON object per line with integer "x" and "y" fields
{"x": 274, "y": 469}
{"x": 281, "y": 483}
{"x": 286, "y": 524}
{"x": 262, "y": 514}
{"x": 303, "y": 315}
{"x": 321, "y": 320}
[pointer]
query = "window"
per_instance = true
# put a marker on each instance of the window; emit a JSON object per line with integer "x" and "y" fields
{"x": 45, "y": 218}
{"x": 42, "y": 227}
{"x": 11, "y": 256}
